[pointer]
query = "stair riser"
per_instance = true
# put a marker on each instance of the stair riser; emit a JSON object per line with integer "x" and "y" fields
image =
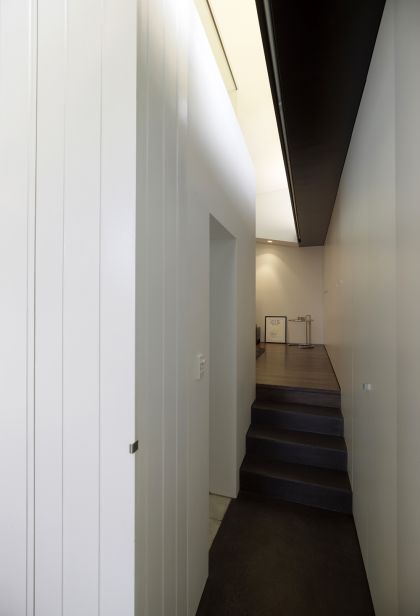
{"x": 294, "y": 453}
{"x": 296, "y": 492}
{"x": 330, "y": 426}
{"x": 296, "y": 396}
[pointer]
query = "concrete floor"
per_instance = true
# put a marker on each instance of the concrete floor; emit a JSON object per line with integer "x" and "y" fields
{"x": 273, "y": 558}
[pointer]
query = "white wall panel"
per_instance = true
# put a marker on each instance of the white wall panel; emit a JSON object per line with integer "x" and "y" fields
{"x": 142, "y": 313}
{"x": 407, "y": 90}
{"x": 85, "y": 306}
{"x": 117, "y": 307}
{"x": 191, "y": 162}
{"x": 371, "y": 311}
{"x": 155, "y": 349}
{"x": 131, "y": 162}
{"x": 49, "y": 306}
{"x": 183, "y": 368}
{"x": 17, "y": 217}
{"x": 161, "y": 508}
{"x": 172, "y": 275}
{"x": 81, "y": 410}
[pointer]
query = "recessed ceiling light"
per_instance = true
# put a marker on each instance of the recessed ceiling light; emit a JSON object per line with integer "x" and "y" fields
{"x": 269, "y": 241}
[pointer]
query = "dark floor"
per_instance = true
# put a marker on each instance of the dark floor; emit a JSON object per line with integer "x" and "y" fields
{"x": 278, "y": 559}
{"x": 260, "y": 351}
{"x": 292, "y": 366}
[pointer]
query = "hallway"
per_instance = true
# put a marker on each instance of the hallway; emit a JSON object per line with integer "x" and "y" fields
{"x": 179, "y": 180}
{"x": 272, "y": 558}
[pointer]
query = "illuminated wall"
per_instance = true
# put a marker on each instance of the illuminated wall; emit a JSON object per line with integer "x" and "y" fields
{"x": 120, "y": 130}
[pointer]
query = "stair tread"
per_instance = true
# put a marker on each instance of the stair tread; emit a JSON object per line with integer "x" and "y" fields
{"x": 335, "y": 443}
{"x": 326, "y": 478}
{"x": 290, "y": 407}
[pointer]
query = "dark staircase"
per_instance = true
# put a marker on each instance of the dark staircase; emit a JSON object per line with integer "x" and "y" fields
{"x": 295, "y": 450}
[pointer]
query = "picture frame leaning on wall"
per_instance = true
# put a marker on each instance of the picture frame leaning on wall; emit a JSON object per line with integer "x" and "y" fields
{"x": 276, "y": 329}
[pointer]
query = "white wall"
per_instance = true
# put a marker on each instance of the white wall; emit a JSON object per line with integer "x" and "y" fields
{"x": 407, "y": 88}
{"x": 192, "y": 162}
{"x": 67, "y": 143}
{"x": 372, "y": 307}
{"x": 290, "y": 282}
{"x": 17, "y": 232}
{"x": 84, "y": 379}
{"x": 137, "y": 144}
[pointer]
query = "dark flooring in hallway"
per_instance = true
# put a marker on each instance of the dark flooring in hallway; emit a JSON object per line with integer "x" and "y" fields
{"x": 290, "y": 366}
{"x": 272, "y": 558}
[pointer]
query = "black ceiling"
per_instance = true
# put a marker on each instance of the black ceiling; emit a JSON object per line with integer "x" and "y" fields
{"x": 318, "y": 56}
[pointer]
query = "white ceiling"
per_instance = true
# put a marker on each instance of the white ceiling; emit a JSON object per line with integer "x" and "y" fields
{"x": 237, "y": 23}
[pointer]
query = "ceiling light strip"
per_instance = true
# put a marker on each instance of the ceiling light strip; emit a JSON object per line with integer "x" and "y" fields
{"x": 282, "y": 127}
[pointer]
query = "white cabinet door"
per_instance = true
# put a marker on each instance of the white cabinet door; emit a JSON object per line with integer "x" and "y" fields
{"x": 85, "y": 259}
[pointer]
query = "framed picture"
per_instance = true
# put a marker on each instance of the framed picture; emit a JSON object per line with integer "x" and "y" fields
{"x": 276, "y": 329}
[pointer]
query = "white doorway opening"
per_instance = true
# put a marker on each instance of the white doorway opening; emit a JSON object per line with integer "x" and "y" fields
{"x": 223, "y": 361}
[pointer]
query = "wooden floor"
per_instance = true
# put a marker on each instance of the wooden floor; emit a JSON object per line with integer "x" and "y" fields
{"x": 290, "y": 366}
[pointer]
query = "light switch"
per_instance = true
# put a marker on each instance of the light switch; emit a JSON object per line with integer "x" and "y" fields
{"x": 367, "y": 387}
{"x": 200, "y": 366}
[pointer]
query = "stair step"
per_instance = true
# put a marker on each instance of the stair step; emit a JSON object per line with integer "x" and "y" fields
{"x": 303, "y": 417}
{"x": 316, "y": 397}
{"x": 271, "y": 443}
{"x": 307, "y": 485}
